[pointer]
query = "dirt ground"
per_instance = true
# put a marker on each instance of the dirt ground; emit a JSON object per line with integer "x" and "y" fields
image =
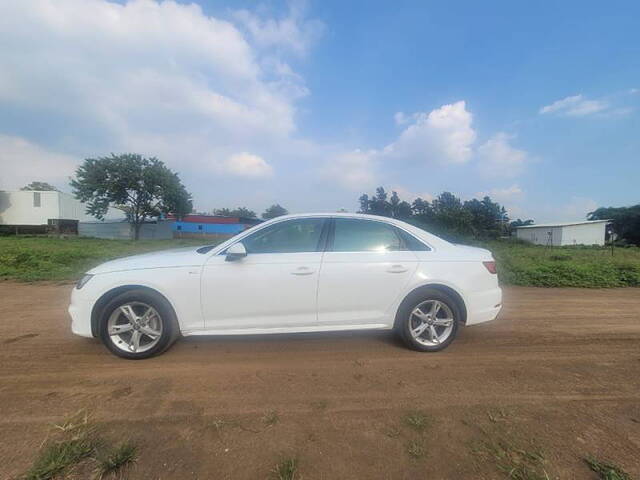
{"x": 558, "y": 373}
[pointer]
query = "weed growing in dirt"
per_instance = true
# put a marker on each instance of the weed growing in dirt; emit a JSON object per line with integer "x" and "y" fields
{"x": 286, "y": 469}
{"x": 516, "y": 462}
{"x": 607, "y": 470}
{"x": 119, "y": 458}
{"x": 57, "y": 457}
{"x": 270, "y": 418}
{"x": 417, "y": 420}
{"x": 415, "y": 448}
{"x": 74, "y": 443}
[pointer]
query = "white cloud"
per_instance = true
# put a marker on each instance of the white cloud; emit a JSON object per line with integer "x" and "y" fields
{"x": 400, "y": 118}
{"x": 24, "y": 162}
{"x": 247, "y": 165}
{"x": 294, "y": 32}
{"x": 444, "y": 135}
{"x": 575, "y": 106}
{"x": 352, "y": 170}
{"x": 501, "y": 195}
{"x": 577, "y": 208}
{"x": 409, "y": 195}
{"x": 497, "y": 158}
{"x": 161, "y": 78}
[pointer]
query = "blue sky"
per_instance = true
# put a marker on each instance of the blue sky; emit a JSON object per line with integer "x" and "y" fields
{"x": 310, "y": 104}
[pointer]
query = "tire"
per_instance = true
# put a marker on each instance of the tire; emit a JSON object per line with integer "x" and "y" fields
{"x": 444, "y": 327}
{"x": 153, "y": 319}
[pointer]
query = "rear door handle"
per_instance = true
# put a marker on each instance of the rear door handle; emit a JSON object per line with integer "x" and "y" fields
{"x": 303, "y": 271}
{"x": 397, "y": 269}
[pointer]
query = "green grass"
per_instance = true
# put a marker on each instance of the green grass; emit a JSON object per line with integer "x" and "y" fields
{"x": 114, "y": 461}
{"x": 591, "y": 267}
{"x": 78, "y": 444}
{"x": 415, "y": 448}
{"x": 417, "y": 420}
{"x": 515, "y": 461}
{"x": 57, "y": 457}
{"x": 34, "y": 258}
{"x": 271, "y": 418}
{"x": 606, "y": 470}
{"x": 286, "y": 469}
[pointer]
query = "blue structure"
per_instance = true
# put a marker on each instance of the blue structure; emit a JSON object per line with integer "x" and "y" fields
{"x": 208, "y": 228}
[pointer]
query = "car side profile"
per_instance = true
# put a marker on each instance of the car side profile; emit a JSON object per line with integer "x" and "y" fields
{"x": 296, "y": 273}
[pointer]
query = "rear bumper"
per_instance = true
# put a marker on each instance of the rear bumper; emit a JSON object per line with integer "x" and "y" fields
{"x": 484, "y": 306}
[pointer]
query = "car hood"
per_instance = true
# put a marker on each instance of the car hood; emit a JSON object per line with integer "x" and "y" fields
{"x": 474, "y": 253}
{"x": 177, "y": 257}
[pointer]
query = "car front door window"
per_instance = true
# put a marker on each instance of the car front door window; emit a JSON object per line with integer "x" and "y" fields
{"x": 291, "y": 236}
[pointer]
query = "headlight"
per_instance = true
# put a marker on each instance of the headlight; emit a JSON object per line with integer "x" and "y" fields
{"x": 83, "y": 281}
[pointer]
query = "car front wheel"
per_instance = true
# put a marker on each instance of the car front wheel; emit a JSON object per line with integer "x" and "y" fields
{"x": 428, "y": 321}
{"x": 138, "y": 324}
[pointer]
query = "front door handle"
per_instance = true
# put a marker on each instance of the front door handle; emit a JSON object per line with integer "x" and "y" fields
{"x": 303, "y": 271}
{"x": 397, "y": 269}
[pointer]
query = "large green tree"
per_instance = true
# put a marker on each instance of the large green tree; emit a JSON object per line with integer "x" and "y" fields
{"x": 235, "y": 212}
{"x": 40, "y": 186}
{"x": 274, "y": 211}
{"x": 626, "y": 221}
{"x": 141, "y": 187}
{"x": 445, "y": 215}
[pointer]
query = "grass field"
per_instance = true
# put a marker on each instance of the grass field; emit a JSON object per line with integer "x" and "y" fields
{"x": 45, "y": 258}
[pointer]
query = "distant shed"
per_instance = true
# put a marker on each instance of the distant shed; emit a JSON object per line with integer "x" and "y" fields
{"x": 211, "y": 225}
{"x": 592, "y": 232}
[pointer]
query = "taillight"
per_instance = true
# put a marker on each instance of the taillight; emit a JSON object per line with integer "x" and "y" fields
{"x": 491, "y": 266}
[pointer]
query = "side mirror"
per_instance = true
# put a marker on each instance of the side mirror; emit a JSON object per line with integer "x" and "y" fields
{"x": 236, "y": 252}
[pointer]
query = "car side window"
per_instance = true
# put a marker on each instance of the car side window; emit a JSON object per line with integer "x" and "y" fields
{"x": 412, "y": 243}
{"x": 356, "y": 235}
{"x": 290, "y": 236}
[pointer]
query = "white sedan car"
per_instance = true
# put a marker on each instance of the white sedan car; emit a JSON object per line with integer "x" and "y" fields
{"x": 296, "y": 273}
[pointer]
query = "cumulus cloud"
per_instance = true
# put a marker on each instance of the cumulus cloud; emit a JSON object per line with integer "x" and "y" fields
{"x": 575, "y": 106}
{"x": 352, "y": 170}
{"x": 294, "y": 32}
{"x": 247, "y": 165}
{"x": 507, "y": 194}
{"x": 409, "y": 195}
{"x": 161, "y": 78}
{"x": 23, "y": 162}
{"x": 444, "y": 135}
{"x": 497, "y": 158}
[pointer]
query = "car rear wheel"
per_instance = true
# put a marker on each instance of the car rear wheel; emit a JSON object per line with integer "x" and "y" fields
{"x": 428, "y": 320}
{"x": 138, "y": 324}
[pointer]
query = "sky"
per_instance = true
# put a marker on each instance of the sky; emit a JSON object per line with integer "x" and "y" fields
{"x": 311, "y": 104}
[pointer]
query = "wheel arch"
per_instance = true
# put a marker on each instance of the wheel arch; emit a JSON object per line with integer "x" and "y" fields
{"x": 453, "y": 293}
{"x": 114, "y": 292}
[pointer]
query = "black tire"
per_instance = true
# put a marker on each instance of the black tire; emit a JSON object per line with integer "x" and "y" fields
{"x": 167, "y": 317}
{"x": 403, "y": 318}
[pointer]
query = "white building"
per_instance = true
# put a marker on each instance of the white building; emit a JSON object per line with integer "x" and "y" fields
{"x": 27, "y": 207}
{"x": 570, "y": 233}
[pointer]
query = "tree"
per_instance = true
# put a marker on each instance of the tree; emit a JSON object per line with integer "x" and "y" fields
{"x": 141, "y": 187}
{"x": 236, "y": 212}
{"x": 519, "y": 223}
{"x": 626, "y": 221}
{"x": 446, "y": 215}
{"x": 41, "y": 186}
{"x": 274, "y": 211}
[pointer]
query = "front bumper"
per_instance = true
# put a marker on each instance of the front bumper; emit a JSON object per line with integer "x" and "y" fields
{"x": 80, "y": 312}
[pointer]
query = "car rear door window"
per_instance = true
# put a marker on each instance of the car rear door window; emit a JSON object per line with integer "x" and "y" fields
{"x": 355, "y": 235}
{"x": 290, "y": 236}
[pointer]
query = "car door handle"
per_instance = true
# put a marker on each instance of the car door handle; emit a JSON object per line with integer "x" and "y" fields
{"x": 396, "y": 269}
{"x": 302, "y": 271}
